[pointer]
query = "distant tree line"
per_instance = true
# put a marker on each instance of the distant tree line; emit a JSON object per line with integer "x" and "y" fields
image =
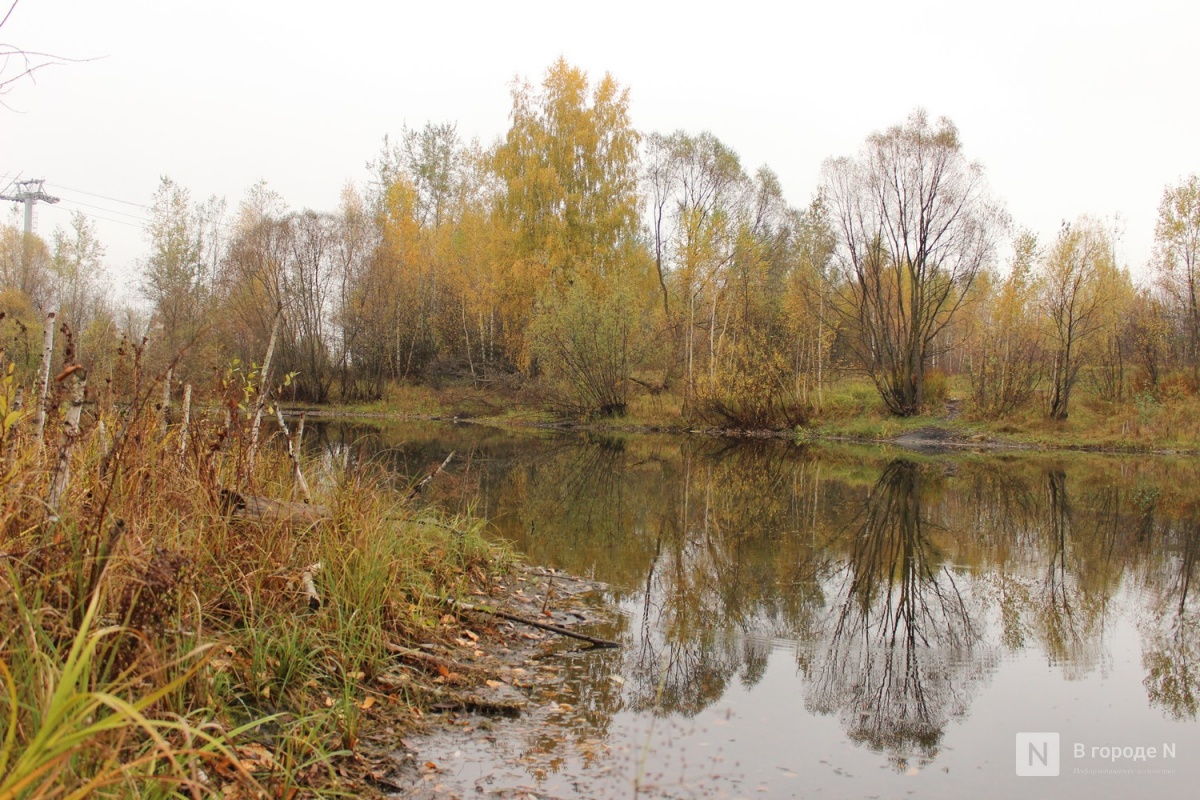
{"x": 592, "y": 261}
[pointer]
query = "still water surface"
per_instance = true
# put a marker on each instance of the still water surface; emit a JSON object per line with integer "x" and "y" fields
{"x": 838, "y": 622}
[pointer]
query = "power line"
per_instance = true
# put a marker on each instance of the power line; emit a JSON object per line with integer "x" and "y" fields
{"x": 101, "y": 196}
{"x": 105, "y": 219}
{"x": 11, "y": 180}
{"x": 108, "y": 210}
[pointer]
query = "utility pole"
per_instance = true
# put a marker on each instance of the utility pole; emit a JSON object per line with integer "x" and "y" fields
{"x": 30, "y": 192}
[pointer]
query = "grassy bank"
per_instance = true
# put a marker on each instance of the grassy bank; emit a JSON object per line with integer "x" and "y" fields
{"x": 160, "y": 639}
{"x": 849, "y": 410}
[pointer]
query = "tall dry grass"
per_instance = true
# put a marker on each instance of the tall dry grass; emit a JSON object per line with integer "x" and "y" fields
{"x": 157, "y": 641}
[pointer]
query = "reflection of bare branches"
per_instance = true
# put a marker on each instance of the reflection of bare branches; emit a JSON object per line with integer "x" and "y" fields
{"x": 712, "y": 593}
{"x": 1067, "y": 610}
{"x": 1172, "y": 662}
{"x": 1171, "y": 653}
{"x": 900, "y": 651}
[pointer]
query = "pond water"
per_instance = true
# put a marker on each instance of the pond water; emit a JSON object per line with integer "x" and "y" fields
{"x": 813, "y": 621}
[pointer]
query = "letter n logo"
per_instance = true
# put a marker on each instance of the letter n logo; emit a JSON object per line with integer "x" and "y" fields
{"x": 1037, "y": 755}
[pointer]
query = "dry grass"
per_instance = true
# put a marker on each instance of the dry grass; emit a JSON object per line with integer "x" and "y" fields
{"x": 158, "y": 644}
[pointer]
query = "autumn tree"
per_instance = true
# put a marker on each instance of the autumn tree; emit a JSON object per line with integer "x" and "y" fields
{"x": 78, "y": 270}
{"x": 735, "y": 266}
{"x": 809, "y": 317}
{"x": 915, "y": 225}
{"x": 1176, "y": 260}
{"x": 1079, "y": 268}
{"x": 178, "y": 276}
{"x": 1006, "y": 353}
{"x": 569, "y": 170}
{"x": 424, "y": 194}
{"x": 25, "y": 266}
{"x": 749, "y": 382}
{"x": 309, "y": 295}
{"x": 695, "y": 186}
{"x": 253, "y": 279}
{"x": 1149, "y": 332}
{"x": 352, "y": 247}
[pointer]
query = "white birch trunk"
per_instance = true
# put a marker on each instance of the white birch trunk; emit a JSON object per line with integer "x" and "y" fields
{"x": 263, "y": 390}
{"x": 294, "y": 456}
{"x": 186, "y": 419}
{"x": 62, "y": 469}
{"x": 44, "y": 383}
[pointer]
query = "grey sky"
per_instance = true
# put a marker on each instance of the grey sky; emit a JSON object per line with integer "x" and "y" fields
{"x": 1072, "y": 107}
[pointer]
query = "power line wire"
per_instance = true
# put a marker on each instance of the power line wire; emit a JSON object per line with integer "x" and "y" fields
{"x": 101, "y": 196}
{"x": 108, "y": 210}
{"x": 99, "y": 217}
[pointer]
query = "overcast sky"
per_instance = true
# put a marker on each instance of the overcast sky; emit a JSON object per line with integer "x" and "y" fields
{"x": 1072, "y": 107}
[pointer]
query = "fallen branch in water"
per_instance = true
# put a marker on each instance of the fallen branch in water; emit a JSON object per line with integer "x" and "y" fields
{"x": 533, "y": 623}
{"x": 417, "y": 489}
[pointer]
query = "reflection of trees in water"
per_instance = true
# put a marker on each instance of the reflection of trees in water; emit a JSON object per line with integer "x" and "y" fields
{"x": 726, "y": 545}
{"x": 588, "y": 505}
{"x": 1051, "y": 564}
{"x": 1171, "y": 650}
{"x": 899, "y": 651}
{"x": 1068, "y": 607}
{"x": 731, "y": 570}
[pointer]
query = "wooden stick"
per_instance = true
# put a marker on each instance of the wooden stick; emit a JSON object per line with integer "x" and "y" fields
{"x": 264, "y": 509}
{"x": 417, "y": 489}
{"x": 594, "y": 640}
{"x": 164, "y": 409}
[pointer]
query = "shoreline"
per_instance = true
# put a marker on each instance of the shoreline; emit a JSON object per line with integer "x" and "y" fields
{"x": 489, "y": 675}
{"x": 928, "y": 437}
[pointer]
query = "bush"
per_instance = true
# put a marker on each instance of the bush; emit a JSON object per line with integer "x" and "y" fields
{"x": 935, "y": 388}
{"x": 751, "y": 389}
{"x": 586, "y": 343}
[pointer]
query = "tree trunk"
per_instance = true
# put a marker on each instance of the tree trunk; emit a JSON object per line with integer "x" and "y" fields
{"x": 263, "y": 389}
{"x": 62, "y": 469}
{"x": 44, "y": 383}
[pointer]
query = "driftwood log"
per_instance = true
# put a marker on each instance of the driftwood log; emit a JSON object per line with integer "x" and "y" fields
{"x": 264, "y": 509}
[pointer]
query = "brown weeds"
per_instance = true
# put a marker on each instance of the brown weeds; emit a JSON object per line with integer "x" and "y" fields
{"x": 171, "y": 643}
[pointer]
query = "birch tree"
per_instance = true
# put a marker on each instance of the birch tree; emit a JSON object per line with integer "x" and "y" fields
{"x": 1077, "y": 268}
{"x": 1176, "y": 260}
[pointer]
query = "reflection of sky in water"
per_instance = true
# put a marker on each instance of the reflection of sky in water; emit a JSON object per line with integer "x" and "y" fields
{"x": 840, "y": 624}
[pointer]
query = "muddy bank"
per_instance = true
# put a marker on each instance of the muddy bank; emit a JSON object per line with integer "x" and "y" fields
{"x": 487, "y": 676}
